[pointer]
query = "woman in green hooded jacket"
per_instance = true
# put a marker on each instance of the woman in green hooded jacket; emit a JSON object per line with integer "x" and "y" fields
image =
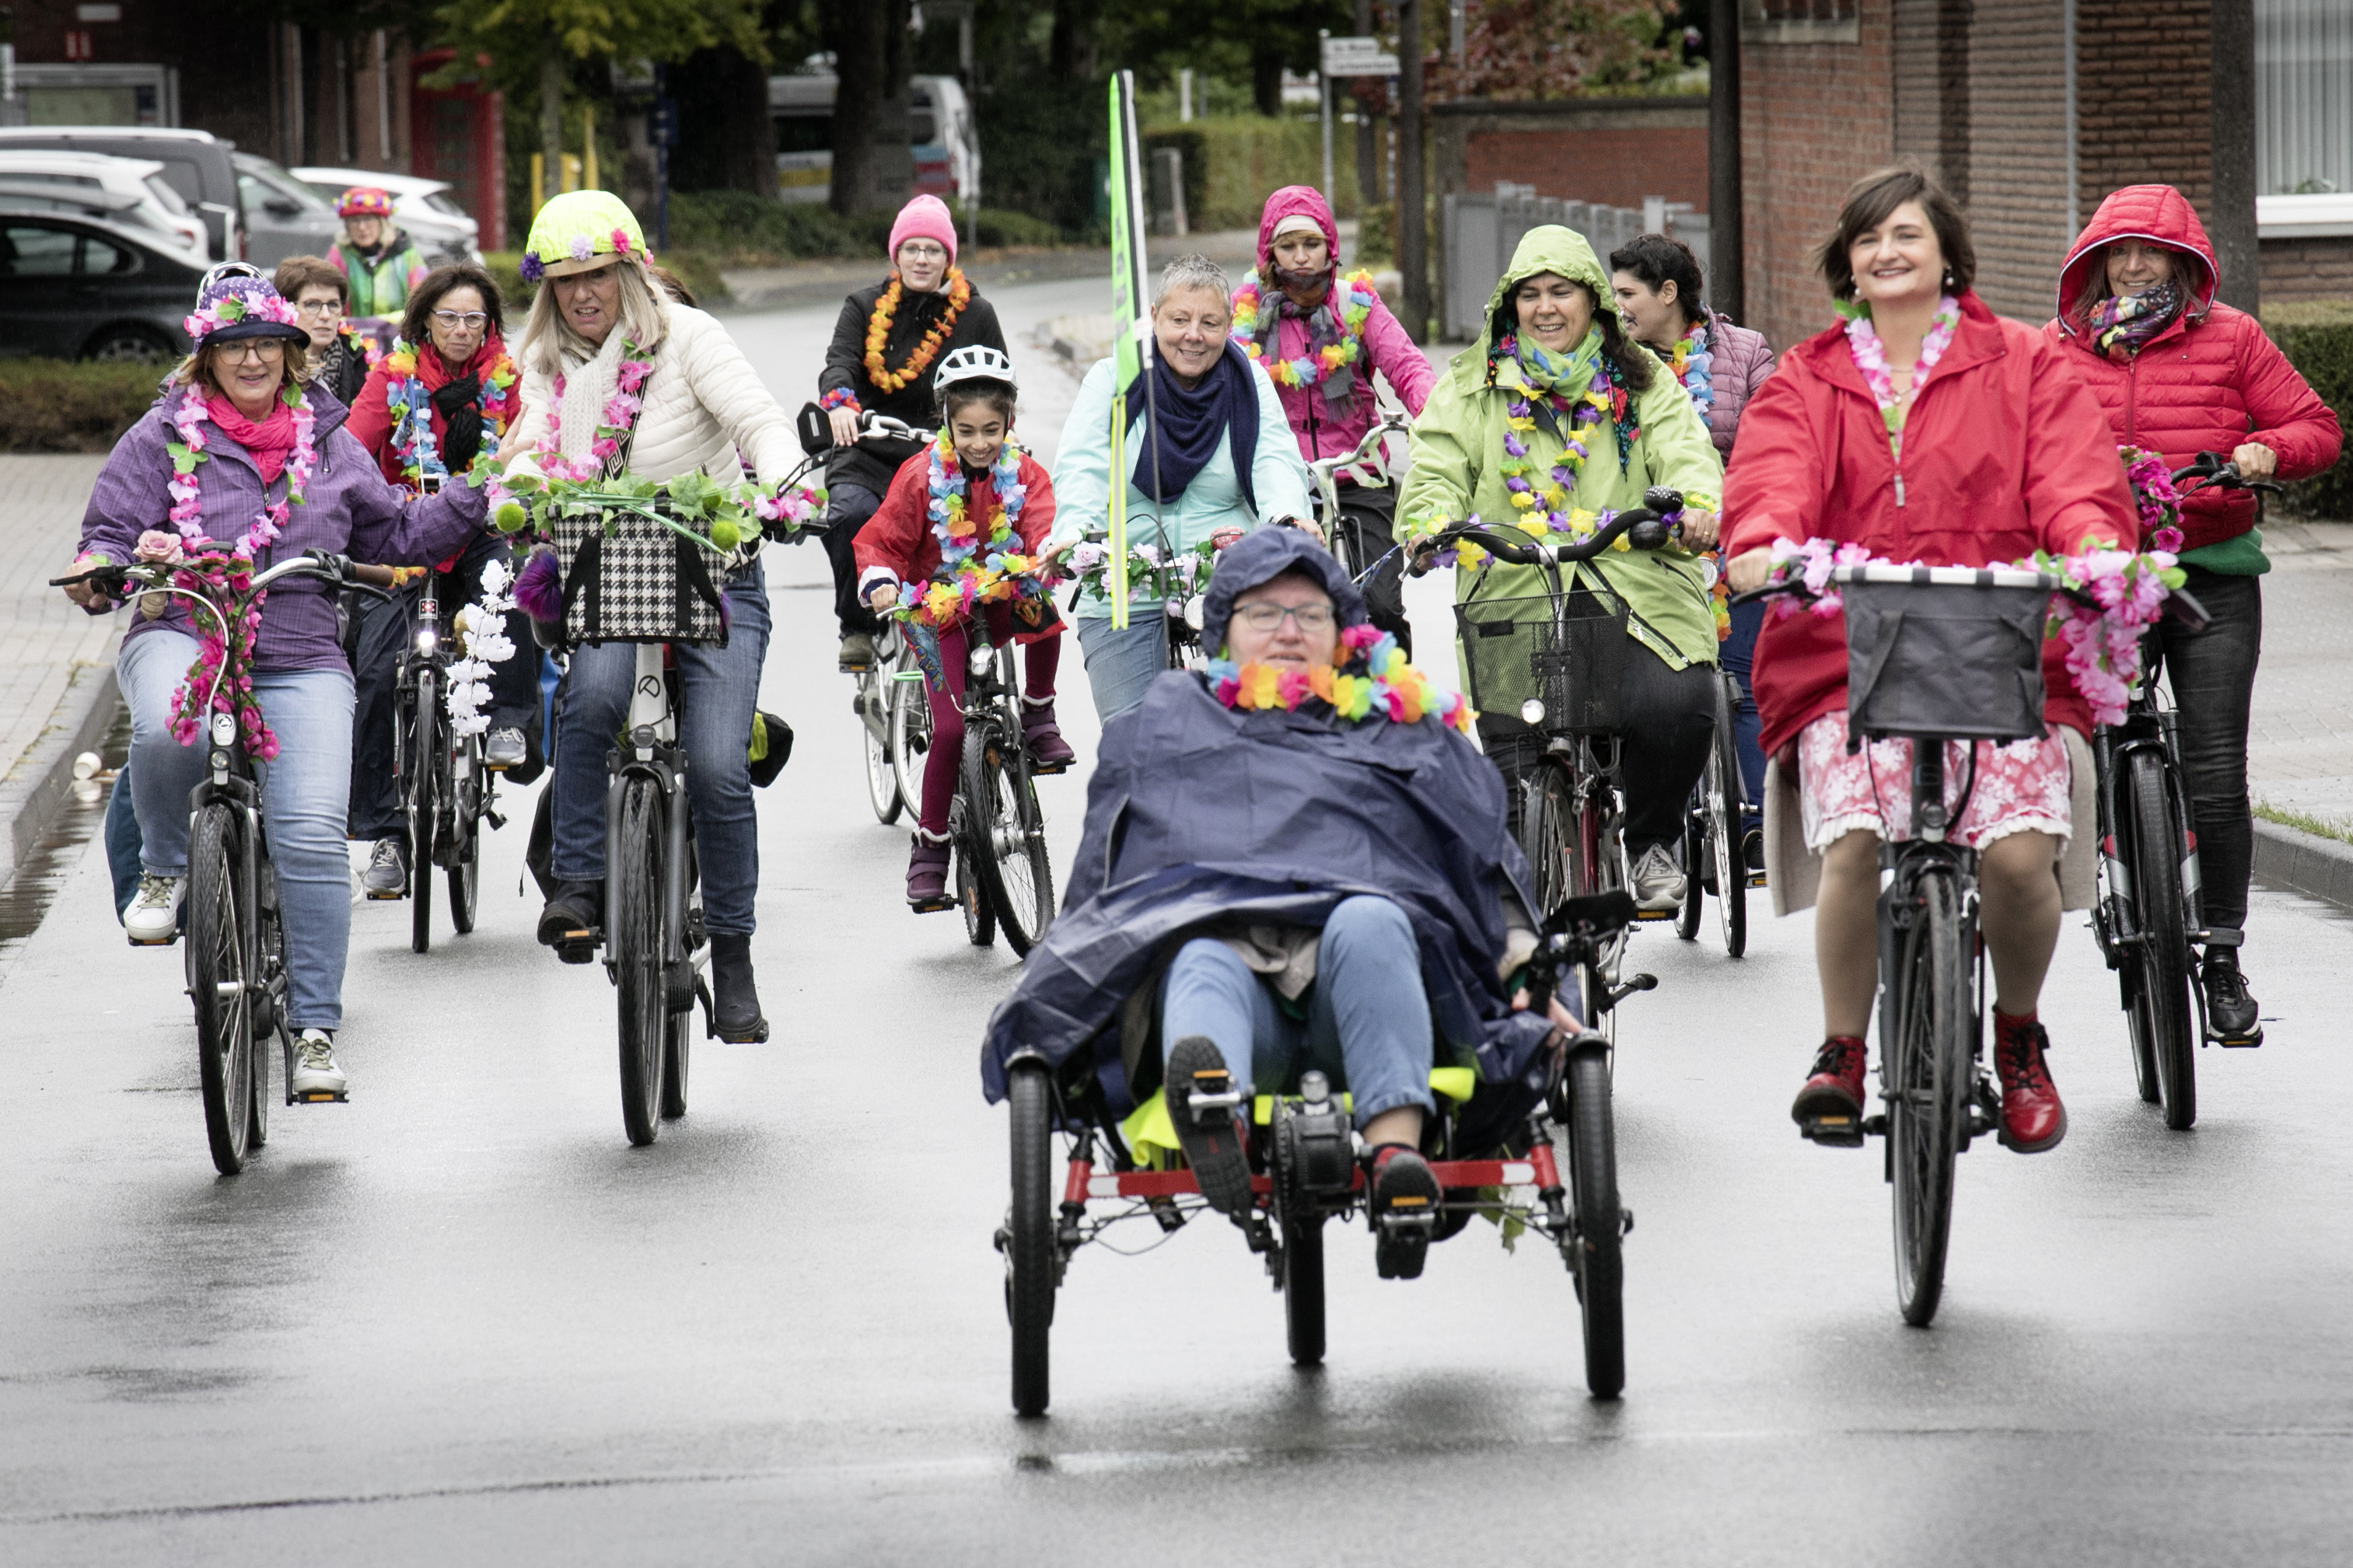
{"x": 1552, "y": 420}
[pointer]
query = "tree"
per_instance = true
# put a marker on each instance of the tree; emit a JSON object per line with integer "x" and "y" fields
{"x": 871, "y": 167}
{"x": 1553, "y": 49}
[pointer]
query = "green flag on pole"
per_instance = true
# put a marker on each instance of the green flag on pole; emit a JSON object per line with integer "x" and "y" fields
{"x": 1130, "y": 318}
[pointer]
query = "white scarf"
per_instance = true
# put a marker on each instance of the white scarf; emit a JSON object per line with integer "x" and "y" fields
{"x": 587, "y": 387}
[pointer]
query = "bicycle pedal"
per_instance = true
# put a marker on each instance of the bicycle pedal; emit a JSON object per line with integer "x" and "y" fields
{"x": 577, "y": 947}
{"x": 2236, "y": 1042}
{"x": 321, "y": 1097}
{"x": 1048, "y": 769}
{"x": 932, "y": 906}
{"x": 172, "y": 940}
{"x": 1840, "y": 1131}
{"x": 375, "y": 897}
{"x": 1643, "y": 917}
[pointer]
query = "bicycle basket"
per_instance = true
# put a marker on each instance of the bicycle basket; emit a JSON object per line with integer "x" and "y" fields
{"x": 1944, "y": 660}
{"x": 1572, "y": 659}
{"x": 636, "y": 582}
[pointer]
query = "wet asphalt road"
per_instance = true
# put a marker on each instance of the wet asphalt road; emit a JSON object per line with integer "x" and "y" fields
{"x": 460, "y": 1320}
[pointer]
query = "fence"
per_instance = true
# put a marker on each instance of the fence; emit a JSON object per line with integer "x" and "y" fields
{"x": 1481, "y": 230}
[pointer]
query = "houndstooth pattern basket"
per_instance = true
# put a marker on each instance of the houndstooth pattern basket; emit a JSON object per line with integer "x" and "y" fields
{"x": 639, "y": 582}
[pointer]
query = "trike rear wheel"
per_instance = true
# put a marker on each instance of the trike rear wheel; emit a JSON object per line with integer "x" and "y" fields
{"x": 1029, "y": 1244}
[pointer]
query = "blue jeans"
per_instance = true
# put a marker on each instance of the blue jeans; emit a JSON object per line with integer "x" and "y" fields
{"x": 722, "y": 689}
{"x": 1368, "y": 1025}
{"x": 1119, "y": 665}
{"x": 122, "y": 841}
{"x": 303, "y": 797}
{"x": 1737, "y": 655}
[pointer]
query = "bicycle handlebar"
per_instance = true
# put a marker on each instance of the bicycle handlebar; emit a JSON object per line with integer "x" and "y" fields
{"x": 2214, "y": 471}
{"x": 1383, "y": 429}
{"x": 319, "y": 565}
{"x": 1946, "y": 577}
{"x": 1644, "y": 527}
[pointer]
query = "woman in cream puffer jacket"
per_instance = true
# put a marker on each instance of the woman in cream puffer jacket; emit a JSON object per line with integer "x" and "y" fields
{"x": 599, "y": 313}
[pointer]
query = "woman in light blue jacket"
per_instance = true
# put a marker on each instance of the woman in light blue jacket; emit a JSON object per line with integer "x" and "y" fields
{"x": 1225, "y": 459}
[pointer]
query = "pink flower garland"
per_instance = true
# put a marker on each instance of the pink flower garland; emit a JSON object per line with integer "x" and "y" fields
{"x": 2154, "y": 493}
{"x": 1870, "y": 358}
{"x": 614, "y": 421}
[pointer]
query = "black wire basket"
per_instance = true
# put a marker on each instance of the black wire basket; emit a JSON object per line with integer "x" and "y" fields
{"x": 1569, "y": 658}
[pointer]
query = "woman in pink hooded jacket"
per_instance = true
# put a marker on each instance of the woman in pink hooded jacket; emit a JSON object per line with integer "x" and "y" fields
{"x": 1320, "y": 338}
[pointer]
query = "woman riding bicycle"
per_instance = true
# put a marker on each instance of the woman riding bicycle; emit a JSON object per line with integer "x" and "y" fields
{"x": 696, "y": 404}
{"x": 1551, "y": 417}
{"x": 1322, "y": 337}
{"x": 1213, "y": 454}
{"x": 382, "y": 263}
{"x": 1925, "y": 429}
{"x": 2179, "y": 374}
{"x": 446, "y": 393}
{"x": 276, "y": 473}
{"x": 888, "y": 341}
{"x": 1657, "y": 282}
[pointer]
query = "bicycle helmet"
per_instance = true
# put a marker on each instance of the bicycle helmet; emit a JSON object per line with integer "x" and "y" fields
{"x": 978, "y": 362}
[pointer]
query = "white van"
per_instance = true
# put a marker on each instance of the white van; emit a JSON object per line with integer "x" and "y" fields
{"x": 153, "y": 205}
{"x": 943, "y": 140}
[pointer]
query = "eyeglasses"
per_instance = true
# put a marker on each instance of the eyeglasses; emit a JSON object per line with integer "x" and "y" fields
{"x": 452, "y": 321}
{"x": 263, "y": 349}
{"x": 319, "y": 308}
{"x": 1264, "y": 616}
{"x": 914, "y": 250}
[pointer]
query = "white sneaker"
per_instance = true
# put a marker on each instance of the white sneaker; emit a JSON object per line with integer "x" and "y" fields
{"x": 505, "y": 749}
{"x": 154, "y": 918}
{"x": 316, "y": 1076}
{"x": 1658, "y": 881}
{"x": 388, "y": 873}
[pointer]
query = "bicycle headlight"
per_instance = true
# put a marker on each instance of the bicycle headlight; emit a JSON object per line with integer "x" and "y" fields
{"x": 224, "y": 730}
{"x": 981, "y": 654}
{"x": 1532, "y": 712}
{"x": 1193, "y": 616}
{"x": 426, "y": 639}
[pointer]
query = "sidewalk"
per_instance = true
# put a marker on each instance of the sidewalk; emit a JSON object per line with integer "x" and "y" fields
{"x": 56, "y": 664}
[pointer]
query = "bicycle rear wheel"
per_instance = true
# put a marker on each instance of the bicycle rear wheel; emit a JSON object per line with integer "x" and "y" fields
{"x": 466, "y": 854}
{"x": 874, "y": 694}
{"x": 911, "y": 741}
{"x": 636, "y": 948}
{"x": 1008, "y": 833}
{"x": 1720, "y": 795}
{"x": 2162, "y": 1003}
{"x": 1600, "y": 1223}
{"x": 1925, "y": 1075}
{"x": 220, "y": 921}
{"x": 1029, "y": 1244}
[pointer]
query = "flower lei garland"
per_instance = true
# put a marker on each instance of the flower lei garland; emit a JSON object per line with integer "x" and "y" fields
{"x": 188, "y": 513}
{"x": 2102, "y": 647}
{"x": 231, "y": 308}
{"x": 359, "y": 344}
{"x": 1870, "y": 358}
{"x": 484, "y": 623}
{"x": 1350, "y": 309}
{"x": 1151, "y": 575}
{"x": 878, "y": 332}
{"x": 1691, "y": 366}
{"x": 411, "y": 408}
{"x": 1519, "y": 423}
{"x": 1374, "y": 680}
{"x": 980, "y": 563}
{"x": 2155, "y": 495}
{"x": 583, "y": 247}
{"x": 614, "y": 423}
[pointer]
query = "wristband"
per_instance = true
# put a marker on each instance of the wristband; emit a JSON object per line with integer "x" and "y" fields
{"x": 838, "y": 397}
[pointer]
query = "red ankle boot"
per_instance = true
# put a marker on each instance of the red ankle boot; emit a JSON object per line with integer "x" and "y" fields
{"x": 1048, "y": 750}
{"x": 2032, "y": 1119}
{"x": 927, "y": 876}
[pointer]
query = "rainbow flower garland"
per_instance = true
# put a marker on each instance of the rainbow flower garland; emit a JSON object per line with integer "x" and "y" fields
{"x": 407, "y": 398}
{"x": 1690, "y": 366}
{"x": 2155, "y": 495}
{"x": 359, "y": 344}
{"x": 1550, "y": 505}
{"x": 978, "y": 564}
{"x": 2102, "y": 645}
{"x": 1375, "y": 682}
{"x": 878, "y": 332}
{"x": 1870, "y": 358}
{"x": 1351, "y": 304}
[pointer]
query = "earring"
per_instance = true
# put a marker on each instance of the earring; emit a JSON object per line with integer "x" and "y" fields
{"x": 1948, "y": 277}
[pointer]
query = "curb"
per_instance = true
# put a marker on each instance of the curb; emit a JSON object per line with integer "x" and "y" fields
{"x": 2304, "y": 862}
{"x": 42, "y": 781}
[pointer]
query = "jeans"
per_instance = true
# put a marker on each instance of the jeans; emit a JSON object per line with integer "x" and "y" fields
{"x": 1371, "y": 515}
{"x": 1119, "y": 665}
{"x": 722, "y": 691}
{"x": 1673, "y": 713}
{"x": 384, "y": 632}
{"x": 2212, "y": 675}
{"x": 944, "y": 760}
{"x": 847, "y": 509}
{"x": 1368, "y": 1025}
{"x": 1737, "y": 655}
{"x": 122, "y": 841}
{"x": 303, "y": 797}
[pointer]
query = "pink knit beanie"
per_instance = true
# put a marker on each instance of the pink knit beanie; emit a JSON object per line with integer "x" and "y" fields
{"x": 926, "y": 217}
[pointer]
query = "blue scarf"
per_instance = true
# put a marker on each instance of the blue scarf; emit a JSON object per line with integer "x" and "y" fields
{"x": 1188, "y": 426}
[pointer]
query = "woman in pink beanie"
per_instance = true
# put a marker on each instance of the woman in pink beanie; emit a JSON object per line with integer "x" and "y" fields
{"x": 888, "y": 340}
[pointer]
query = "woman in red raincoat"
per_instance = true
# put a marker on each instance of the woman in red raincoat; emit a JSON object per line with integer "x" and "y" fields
{"x": 2181, "y": 374}
{"x": 1927, "y": 428}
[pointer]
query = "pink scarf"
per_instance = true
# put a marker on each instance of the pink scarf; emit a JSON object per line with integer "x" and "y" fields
{"x": 268, "y": 443}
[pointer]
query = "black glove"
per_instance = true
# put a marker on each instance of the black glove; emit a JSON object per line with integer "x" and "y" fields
{"x": 461, "y": 434}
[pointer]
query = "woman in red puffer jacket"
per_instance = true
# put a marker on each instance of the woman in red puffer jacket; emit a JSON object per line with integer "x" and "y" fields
{"x": 2179, "y": 374}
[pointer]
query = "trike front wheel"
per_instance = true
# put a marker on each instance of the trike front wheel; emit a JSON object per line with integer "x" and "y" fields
{"x": 1029, "y": 1244}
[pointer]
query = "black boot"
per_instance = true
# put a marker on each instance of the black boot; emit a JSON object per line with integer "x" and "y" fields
{"x": 734, "y": 999}
{"x": 2232, "y": 1015}
{"x": 573, "y": 913}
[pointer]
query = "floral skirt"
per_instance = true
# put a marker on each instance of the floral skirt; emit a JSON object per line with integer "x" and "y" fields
{"x": 2021, "y": 787}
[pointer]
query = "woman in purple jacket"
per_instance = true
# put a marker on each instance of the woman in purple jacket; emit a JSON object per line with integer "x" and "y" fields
{"x": 278, "y": 474}
{"x": 1657, "y": 281}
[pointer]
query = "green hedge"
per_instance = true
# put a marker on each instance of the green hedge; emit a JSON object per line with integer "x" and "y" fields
{"x": 2317, "y": 338}
{"x": 50, "y": 405}
{"x": 1245, "y": 158}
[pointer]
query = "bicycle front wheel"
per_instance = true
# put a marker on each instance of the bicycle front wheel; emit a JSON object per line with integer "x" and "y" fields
{"x": 1030, "y": 1272}
{"x": 636, "y": 946}
{"x": 2163, "y": 999}
{"x": 1007, "y": 831}
{"x": 911, "y": 741}
{"x": 1599, "y": 1220}
{"x": 220, "y": 921}
{"x": 427, "y": 768}
{"x": 1925, "y": 1075}
{"x": 1548, "y": 836}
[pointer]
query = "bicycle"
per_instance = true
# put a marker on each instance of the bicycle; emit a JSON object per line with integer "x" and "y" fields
{"x": 1937, "y": 1096}
{"x": 1367, "y": 465}
{"x": 1304, "y": 1174}
{"x": 1574, "y": 644}
{"x": 1714, "y": 855}
{"x": 235, "y": 957}
{"x": 447, "y": 790}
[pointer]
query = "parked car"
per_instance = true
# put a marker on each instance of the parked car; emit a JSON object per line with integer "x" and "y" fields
{"x": 942, "y": 138}
{"x": 443, "y": 230}
{"x": 283, "y": 216}
{"x": 195, "y": 162}
{"x": 72, "y": 288}
{"x": 150, "y": 202}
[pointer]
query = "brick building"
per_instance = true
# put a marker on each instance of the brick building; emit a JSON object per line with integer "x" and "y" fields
{"x": 1617, "y": 151}
{"x": 2029, "y": 111}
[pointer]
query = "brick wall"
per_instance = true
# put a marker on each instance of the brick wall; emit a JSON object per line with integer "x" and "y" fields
{"x": 2142, "y": 94}
{"x": 2308, "y": 269}
{"x": 1814, "y": 117}
{"x": 2018, "y": 154}
{"x": 1619, "y": 167}
{"x": 224, "y": 85}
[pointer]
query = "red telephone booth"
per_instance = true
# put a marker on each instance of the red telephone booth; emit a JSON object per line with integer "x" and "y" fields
{"x": 459, "y": 134}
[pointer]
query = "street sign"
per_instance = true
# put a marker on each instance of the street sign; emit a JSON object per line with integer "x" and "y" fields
{"x": 1358, "y": 57}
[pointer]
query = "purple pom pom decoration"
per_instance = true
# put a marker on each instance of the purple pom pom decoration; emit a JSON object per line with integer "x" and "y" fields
{"x": 539, "y": 591}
